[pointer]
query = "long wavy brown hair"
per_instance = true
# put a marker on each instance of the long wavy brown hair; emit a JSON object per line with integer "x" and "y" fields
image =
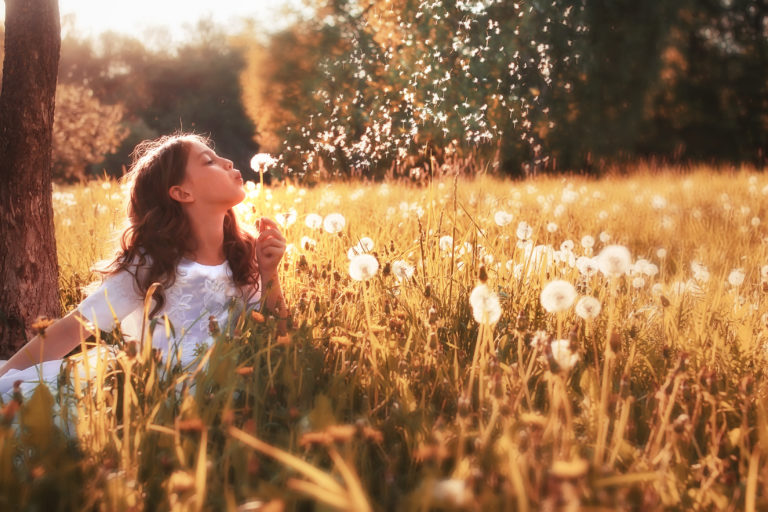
{"x": 159, "y": 233}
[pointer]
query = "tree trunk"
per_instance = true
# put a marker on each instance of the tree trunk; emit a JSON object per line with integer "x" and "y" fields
{"x": 28, "y": 263}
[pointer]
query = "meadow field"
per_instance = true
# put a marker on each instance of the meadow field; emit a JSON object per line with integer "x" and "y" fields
{"x": 558, "y": 343}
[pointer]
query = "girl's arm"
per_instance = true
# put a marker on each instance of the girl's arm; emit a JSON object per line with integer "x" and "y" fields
{"x": 57, "y": 341}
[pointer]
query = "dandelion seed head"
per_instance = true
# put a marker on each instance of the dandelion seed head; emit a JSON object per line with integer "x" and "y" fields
{"x": 334, "y": 222}
{"x": 736, "y": 277}
{"x": 565, "y": 358}
{"x": 363, "y": 267}
{"x": 614, "y": 260}
{"x": 485, "y": 305}
{"x": 587, "y": 307}
{"x": 558, "y": 296}
{"x": 313, "y": 221}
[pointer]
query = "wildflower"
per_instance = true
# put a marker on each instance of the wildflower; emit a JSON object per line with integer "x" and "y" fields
{"x": 661, "y": 253}
{"x": 363, "y": 267}
{"x": 402, "y": 270}
{"x": 485, "y": 305}
{"x": 313, "y": 221}
{"x": 588, "y": 242}
{"x": 736, "y": 277}
{"x": 567, "y": 245}
{"x": 588, "y": 307}
{"x": 558, "y": 296}
{"x": 605, "y": 237}
{"x": 614, "y": 260}
{"x": 638, "y": 282}
{"x": 334, "y": 222}
{"x": 524, "y": 231}
{"x": 562, "y": 354}
{"x": 700, "y": 271}
{"x": 262, "y": 160}
{"x": 502, "y": 218}
{"x": 551, "y": 227}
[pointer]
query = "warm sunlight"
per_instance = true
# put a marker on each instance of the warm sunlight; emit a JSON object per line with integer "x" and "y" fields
{"x": 94, "y": 16}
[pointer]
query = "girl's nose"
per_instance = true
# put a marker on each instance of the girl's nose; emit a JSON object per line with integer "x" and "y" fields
{"x": 229, "y": 164}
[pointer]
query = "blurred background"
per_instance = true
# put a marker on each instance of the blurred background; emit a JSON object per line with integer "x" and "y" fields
{"x": 388, "y": 88}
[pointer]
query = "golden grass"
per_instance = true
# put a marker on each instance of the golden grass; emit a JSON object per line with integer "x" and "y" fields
{"x": 388, "y": 395}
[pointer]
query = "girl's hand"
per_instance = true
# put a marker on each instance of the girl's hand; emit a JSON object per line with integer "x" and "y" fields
{"x": 270, "y": 246}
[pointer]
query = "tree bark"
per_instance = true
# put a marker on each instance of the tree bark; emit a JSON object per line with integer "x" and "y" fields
{"x": 28, "y": 263}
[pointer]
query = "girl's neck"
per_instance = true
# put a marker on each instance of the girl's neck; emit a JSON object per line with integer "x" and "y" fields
{"x": 208, "y": 230}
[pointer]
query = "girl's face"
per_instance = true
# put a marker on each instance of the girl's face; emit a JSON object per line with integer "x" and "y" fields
{"x": 210, "y": 179}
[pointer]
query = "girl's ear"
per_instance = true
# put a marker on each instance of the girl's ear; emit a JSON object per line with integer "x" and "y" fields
{"x": 178, "y": 193}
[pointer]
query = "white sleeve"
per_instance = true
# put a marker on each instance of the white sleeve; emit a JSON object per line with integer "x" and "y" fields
{"x": 119, "y": 294}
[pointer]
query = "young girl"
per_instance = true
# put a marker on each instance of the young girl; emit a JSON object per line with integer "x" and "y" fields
{"x": 182, "y": 234}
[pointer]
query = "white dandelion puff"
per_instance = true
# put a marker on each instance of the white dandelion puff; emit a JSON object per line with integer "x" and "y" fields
{"x": 614, "y": 260}
{"x": 558, "y": 296}
{"x": 485, "y": 305}
{"x": 524, "y": 231}
{"x": 588, "y": 241}
{"x": 551, "y": 227}
{"x": 313, "y": 221}
{"x": 563, "y": 355}
{"x": 286, "y": 219}
{"x": 334, "y": 222}
{"x": 445, "y": 243}
{"x": 736, "y": 277}
{"x": 588, "y": 307}
{"x": 502, "y": 218}
{"x": 363, "y": 267}
{"x": 402, "y": 270}
{"x": 307, "y": 243}
{"x": 260, "y": 160}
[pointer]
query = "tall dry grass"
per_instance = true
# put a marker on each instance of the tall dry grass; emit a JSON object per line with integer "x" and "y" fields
{"x": 387, "y": 394}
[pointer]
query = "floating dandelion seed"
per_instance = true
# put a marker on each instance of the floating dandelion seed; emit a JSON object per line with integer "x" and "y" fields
{"x": 558, "y": 296}
{"x": 402, "y": 270}
{"x": 565, "y": 358}
{"x": 334, "y": 222}
{"x": 588, "y": 307}
{"x": 485, "y": 305}
{"x": 363, "y": 267}
{"x": 313, "y": 221}
{"x": 614, "y": 260}
{"x": 502, "y": 218}
{"x": 736, "y": 277}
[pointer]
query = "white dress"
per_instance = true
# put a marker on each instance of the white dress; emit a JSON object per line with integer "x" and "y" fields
{"x": 199, "y": 292}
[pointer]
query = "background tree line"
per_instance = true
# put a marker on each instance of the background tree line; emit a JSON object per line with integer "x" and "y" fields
{"x": 372, "y": 87}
